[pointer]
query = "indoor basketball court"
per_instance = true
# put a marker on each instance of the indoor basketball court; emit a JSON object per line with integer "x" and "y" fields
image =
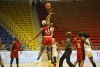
{"x": 45, "y": 64}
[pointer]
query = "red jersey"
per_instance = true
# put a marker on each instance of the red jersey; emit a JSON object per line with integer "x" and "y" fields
{"x": 46, "y": 31}
{"x": 79, "y": 44}
{"x": 80, "y": 49}
{"x": 16, "y": 46}
{"x": 15, "y": 50}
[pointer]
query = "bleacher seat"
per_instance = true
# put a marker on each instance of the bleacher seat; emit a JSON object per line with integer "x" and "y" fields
{"x": 5, "y": 36}
{"x": 74, "y": 16}
{"x": 20, "y": 14}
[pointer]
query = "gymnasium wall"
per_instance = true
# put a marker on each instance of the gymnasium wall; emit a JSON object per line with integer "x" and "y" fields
{"x": 31, "y": 56}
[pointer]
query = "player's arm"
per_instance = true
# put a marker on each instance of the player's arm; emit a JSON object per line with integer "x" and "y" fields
{"x": 48, "y": 19}
{"x": 90, "y": 42}
{"x": 20, "y": 49}
{"x": 65, "y": 44}
{"x": 84, "y": 40}
{"x": 58, "y": 46}
{"x": 59, "y": 50}
{"x": 40, "y": 31}
{"x": 11, "y": 49}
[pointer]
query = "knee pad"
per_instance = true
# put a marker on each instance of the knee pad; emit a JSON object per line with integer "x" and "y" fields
{"x": 42, "y": 48}
{"x": 49, "y": 49}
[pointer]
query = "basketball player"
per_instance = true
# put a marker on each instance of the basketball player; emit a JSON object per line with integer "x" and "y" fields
{"x": 55, "y": 46}
{"x": 1, "y": 63}
{"x": 14, "y": 51}
{"x": 47, "y": 38}
{"x": 52, "y": 31}
{"x": 80, "y": 40}
{"x": 88, "y": 50}
{"x": 67, "y": 52}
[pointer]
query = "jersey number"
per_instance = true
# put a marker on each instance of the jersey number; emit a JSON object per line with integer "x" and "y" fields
{"x": 47, "y": 31}
{"x": 78, "y": 45}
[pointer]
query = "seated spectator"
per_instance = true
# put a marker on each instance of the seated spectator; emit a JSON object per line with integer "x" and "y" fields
{"x": 8, "y": 46}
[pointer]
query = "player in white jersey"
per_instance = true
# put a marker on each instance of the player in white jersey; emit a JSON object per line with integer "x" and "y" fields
{"x": 88, "y": 50}
{"x": 52, "y": 29}
{"x": 55, "y": 46}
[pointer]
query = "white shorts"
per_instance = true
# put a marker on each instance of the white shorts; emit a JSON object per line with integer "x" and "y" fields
{"x": 88, "y": 52}
{"x": 54, "y": 54}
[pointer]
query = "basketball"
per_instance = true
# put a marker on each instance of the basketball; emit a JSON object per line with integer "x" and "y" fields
{"x": 48, "y": 5}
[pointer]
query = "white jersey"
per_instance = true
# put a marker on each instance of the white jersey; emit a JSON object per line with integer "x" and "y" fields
{"x": 87, "y": 46}
{"x": 54, "y": 50}
{"x": 51, "y": 28}
{"x": 88, "y": 50}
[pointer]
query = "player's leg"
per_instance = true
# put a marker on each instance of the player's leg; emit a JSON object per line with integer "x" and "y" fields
{"x": 82, "y": 63}
{"x": 49, "y": 52}
{"x": 48, "y": 55}
{"x": 54, "y": 63}
{"x": 90, "y": 55}
{"x": 79, "y": 63}
{"x": 17, "y": 62}
{"x": 68, "y": 52}
{"x": 49, "y": 43}
{"x": 54, "y": 58}
{"x": 1, "y": 63}
{"x": 51, "y": 56}
{"x": 82, "y": 57}
{"x": 62, "y": 59}
{"x": 11, "y": 61}
{"x": 92, "y": 61}
{"x": 76, "y": 62}
{"x": 40, "y": 53}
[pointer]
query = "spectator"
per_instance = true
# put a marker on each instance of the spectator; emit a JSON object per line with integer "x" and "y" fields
{"x": 33, "y": 4}
{"x": 8, "y": 46}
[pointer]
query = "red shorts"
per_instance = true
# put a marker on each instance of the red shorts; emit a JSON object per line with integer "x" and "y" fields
{"x": 15, "y": 54}
{"x": 47, "y": 40}
{"x": 80, "y": 55}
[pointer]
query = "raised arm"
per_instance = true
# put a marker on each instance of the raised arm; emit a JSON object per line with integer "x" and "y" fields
{"x": 40, "y": 31}
{"x": 48, "y": 19}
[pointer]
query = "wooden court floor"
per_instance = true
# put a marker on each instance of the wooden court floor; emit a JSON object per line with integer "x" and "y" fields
{"x": 45, "y": 64}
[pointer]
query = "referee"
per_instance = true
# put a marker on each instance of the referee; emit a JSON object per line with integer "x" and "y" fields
{"x": 67, "y": 52}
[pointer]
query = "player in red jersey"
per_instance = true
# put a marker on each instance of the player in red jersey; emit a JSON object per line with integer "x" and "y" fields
{"x": 80, "y": 40}
{"x": 47, "y": 38}
{"x": 14, "y": 51}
